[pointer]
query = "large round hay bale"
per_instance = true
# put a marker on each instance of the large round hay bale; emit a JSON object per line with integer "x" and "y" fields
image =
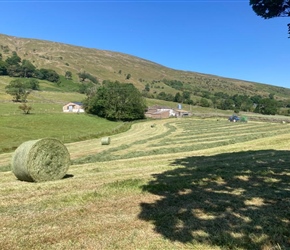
{"x": 105, "y": 141}
{"x": 40, "y": 160}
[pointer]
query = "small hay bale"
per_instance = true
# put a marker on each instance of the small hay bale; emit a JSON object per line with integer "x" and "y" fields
{"x": 40, "y": 160}
{"x": 105, "y": 141}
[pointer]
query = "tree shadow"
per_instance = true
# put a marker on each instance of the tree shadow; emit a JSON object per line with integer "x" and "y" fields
{"x": 68, "y": 176}
{"x": 233, "y": 200}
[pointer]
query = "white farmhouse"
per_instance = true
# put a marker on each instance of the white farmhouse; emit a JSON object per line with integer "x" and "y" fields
{"x": 73, "y": 107}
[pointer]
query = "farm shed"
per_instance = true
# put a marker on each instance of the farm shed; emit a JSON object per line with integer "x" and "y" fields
{"x": 73, "y": 107}
{"x": 159, "y": 112}
{"x": 182, "y": 113}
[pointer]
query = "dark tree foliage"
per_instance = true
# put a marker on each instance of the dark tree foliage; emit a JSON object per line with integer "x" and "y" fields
{"x": 116, "y": 101}
{"x": 15, "y": 70}
{"x": 272, "y": 8}
{"x": 28, "y": 68}
{"x": 174, "y": 84}
{"x": 267, "y": 106}
{"x": 18, "y": 90}
{"x": 204, "y": 102}
{"x": 87, "y": 88}
{"x": 147, "y": 87}
{"x": 164, "y": 96}
{"x": 32, "y": 84}
{"x": 3, "y": 68}
{"x": 47, "y": 74}
{"x": 84, "y": 75}
{"x": 186, "y": 97}
{"x": 68, "y": 75}
{"x": 178, "y": 97}
{"x": 221, "y": 95}
{"x": 14, "y": 67}
{"x": 14, "y": 59}
{"x": 227, "y": 104}
{"x": 256, "y": 98}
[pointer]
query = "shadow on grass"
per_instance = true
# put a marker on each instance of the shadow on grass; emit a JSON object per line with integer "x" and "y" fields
{"x": 234, "y": 200}
{"x": 68, "y": 176}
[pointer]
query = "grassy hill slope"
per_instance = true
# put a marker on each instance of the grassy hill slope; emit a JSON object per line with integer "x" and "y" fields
{"x": 108, "y": 65}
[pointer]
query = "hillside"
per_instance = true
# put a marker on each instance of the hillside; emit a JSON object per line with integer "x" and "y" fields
{"x": 108, "y": 65}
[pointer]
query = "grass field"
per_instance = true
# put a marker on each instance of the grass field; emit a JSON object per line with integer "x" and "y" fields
{"x": 16, "y": 129}
{"x": 181, "y": 184}
{"x": 47, "y": 119}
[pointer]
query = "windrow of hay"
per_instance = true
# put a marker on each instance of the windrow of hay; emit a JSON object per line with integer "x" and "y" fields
{"x": 105, "y": 141}
{"x": 40, "y": 160}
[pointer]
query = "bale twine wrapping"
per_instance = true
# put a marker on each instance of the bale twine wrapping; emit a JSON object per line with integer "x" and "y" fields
{"x": 105, "y": 141}
{"x": 40, "y": 160}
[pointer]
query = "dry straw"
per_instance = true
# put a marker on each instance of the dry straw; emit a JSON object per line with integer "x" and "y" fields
{"x": 40, "y": 160}
{"x": 105, "y": 141}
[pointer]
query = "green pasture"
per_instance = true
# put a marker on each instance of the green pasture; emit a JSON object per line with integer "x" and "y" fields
{"x": 16, "y": 129}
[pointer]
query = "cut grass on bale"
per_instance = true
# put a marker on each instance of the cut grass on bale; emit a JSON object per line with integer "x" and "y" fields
{"x": 40, "y": 160}
{"x": 230, "y": 196}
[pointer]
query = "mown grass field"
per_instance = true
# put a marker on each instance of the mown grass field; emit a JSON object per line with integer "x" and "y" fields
{"x": 181, "y": 184}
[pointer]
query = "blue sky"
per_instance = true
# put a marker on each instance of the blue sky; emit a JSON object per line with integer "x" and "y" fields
{"x": 224, "y": 38}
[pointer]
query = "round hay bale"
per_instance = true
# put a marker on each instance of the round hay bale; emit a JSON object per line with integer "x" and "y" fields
{"x": 40, "y": 160}
{"x": 105, "y": 141}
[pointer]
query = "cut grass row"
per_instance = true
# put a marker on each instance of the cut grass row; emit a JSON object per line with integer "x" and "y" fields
{"x": 175, "y": 136}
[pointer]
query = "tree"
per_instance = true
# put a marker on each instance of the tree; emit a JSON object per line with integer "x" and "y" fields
{"x": 3, "y": 68}
{"x": 147, "y": 87}
{"x": 186, "y": 97}
{"x": 14, "y": 70}
{"x": 14, "y": 59}
{"x": 271, "y": 96}
{"x": 178, "y": 97}
{"x": 87, "y": 88}
{"x": 271, "y": 8}
{"x": 204, "y": 102}
{"x": 47, "y": 74}
{"x": 32, "y": 84}
{"x": 25, "y": 108}
{"x": 18, "y": 90}
{"x": 267, "y": 106}
{"x": 162, "y": 96}
{"x": 68, "y": 75}
{"x": 227, "y": 104}
{"x": 84, "y": 75}
{"x": 116, "y": 101}
{"x": 247, "y": 105}
{"x": 28, "y": 68}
